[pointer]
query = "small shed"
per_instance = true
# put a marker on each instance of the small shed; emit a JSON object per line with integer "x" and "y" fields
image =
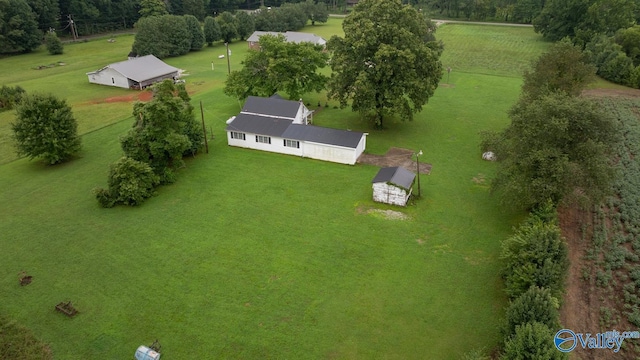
{"x": 393, "y": 185}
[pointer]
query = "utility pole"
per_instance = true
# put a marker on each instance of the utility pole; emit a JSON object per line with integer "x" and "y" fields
{"x": 418, "y": 171}
{"x": 74, "y": 31}
{"x": 228, "y": 61}
{"x": 204, "y": 129}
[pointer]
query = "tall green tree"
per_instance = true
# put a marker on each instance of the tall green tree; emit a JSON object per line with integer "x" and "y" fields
{"x": 629, "y": 40}
{"x": 47, "y": 13}
{"x": 386, "y": 63}
{"x": 196, "y": 8}
{"x": 563, "y": 68}
{"x": 162, "y": 36}
{"x": 560, "y": 18}
{"x": 164, "y": 131}
{"x": 211, "y": 30}
{"x": 19, "y": 31}
{"x": 152, "y": 8}
{"x": 45, "y": 128}
{"x": 554, "y": 149}
{"x": 279, "y": 66}
{"x": 315, "y": 11}
{"x": 197, "y": 35}
{"x": 246, "y": 25}
{"x": 228, "y": 26}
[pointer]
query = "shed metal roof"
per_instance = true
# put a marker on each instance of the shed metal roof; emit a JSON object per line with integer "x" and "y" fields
{"x": 271, "y": 106}
{"x": 395, "y": 175}
{"x": 260, "y": 125}
{"x": 142, "y": 68}
{"x": 323, "y": 135}
{"x": 290, "y": 36}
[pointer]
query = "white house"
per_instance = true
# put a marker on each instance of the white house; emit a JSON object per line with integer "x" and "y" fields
{"x": 393, "y": 185}
{"x": 284, "y": 126}
{"x": 290, "y": 36}
{"x": 136, "y": 73}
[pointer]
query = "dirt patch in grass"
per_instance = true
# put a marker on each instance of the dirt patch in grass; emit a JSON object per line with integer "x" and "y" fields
{"x": 630, "y": 93}
{"x": 138, "y": 96}
{"x": 395, "y": 157}
{"x": 385, "y": 214}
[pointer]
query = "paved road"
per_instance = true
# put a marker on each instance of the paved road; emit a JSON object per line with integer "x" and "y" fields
{"x": 479, "y": 23}
{"x": 438, "y": 21}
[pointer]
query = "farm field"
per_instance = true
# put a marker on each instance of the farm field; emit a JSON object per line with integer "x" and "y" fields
{"x": 254, "y": 255}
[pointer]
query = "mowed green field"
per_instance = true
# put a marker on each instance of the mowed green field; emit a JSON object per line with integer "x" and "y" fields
{"x": 254, "y": 255}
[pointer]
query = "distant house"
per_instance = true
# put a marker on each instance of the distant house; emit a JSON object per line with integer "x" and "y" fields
{"x": 283, "y": 126}
{"x": 393, "y": 185}
{"x": 135, "y": 73}
{"x": 290, "y": 36}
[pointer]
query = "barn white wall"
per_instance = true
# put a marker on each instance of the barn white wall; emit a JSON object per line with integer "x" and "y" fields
{"x": 109, "y": 77}
{"x": 332, "y": 153}
{"x": 390, "y": 194}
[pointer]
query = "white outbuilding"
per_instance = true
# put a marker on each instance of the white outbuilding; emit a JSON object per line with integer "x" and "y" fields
{"x": 393, "y": 185}
{"x": 135, "y": 73}
{"x": 284, "y": 126}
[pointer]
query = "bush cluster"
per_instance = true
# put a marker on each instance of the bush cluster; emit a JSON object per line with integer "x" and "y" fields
{"x": 164, "y": 131}
{"x": 617, "y": 57}
{"x": 10, "y": 96}
{"x": 536, "y": 266}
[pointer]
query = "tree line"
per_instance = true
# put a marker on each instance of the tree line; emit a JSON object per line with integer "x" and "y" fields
{"x": 24, "y": 22}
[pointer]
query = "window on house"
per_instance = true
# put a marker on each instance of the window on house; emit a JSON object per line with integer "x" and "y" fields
{"x": 263, "y": 139}
{"x": 113, "y": 80}
{"x": 292, "y": 143}
{"x": 238, "y": 135}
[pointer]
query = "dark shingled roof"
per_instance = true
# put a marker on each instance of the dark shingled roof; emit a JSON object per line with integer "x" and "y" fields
{"x": 259, "y": 125}
{"x": 271, "y": 106}
{"x": 323, "y": 135}
{"x": 395, "y": 175}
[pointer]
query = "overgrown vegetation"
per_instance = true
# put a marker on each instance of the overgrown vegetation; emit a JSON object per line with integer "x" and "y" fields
{"x": 53, "y": 44}
{"x": 615, "y": 234}
{"x": 18, "y": 342}
{"x": 556, "y": 147}
{"x": 164, "y": 131}
{"x": 10, "y": 96}
{"x": 535, "y": 272}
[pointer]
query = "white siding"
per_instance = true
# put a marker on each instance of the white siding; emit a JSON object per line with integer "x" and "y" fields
{"x": 326, "y": 152}
{"x": 389, "y": 194}
{"x": 277, "y": 144}
{"x": 108, "y": 76}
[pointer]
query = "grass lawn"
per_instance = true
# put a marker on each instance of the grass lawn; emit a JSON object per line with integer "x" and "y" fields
{"x": 255, "y": 255}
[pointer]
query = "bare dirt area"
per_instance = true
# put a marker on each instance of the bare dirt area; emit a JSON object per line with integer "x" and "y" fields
{"x": 629, "y": 93}
{"x": 395, "y": 157}
{"x": 583, "y": 300}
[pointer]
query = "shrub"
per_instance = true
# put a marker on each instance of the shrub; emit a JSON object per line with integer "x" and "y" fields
{"x": 535, "y": 305}
{"x": 10, "y": 96}
{"x": 535, "y": 255}
{"x": 130, "y": 182}
{"x": 53, "y": 43}
{"x": 532, "y": 341}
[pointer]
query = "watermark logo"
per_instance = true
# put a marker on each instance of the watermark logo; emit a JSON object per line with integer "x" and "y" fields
{"x": 566, "y": 340}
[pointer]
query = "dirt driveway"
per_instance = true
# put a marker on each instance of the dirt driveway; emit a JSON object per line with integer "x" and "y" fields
{"x": 395, "y": 157}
